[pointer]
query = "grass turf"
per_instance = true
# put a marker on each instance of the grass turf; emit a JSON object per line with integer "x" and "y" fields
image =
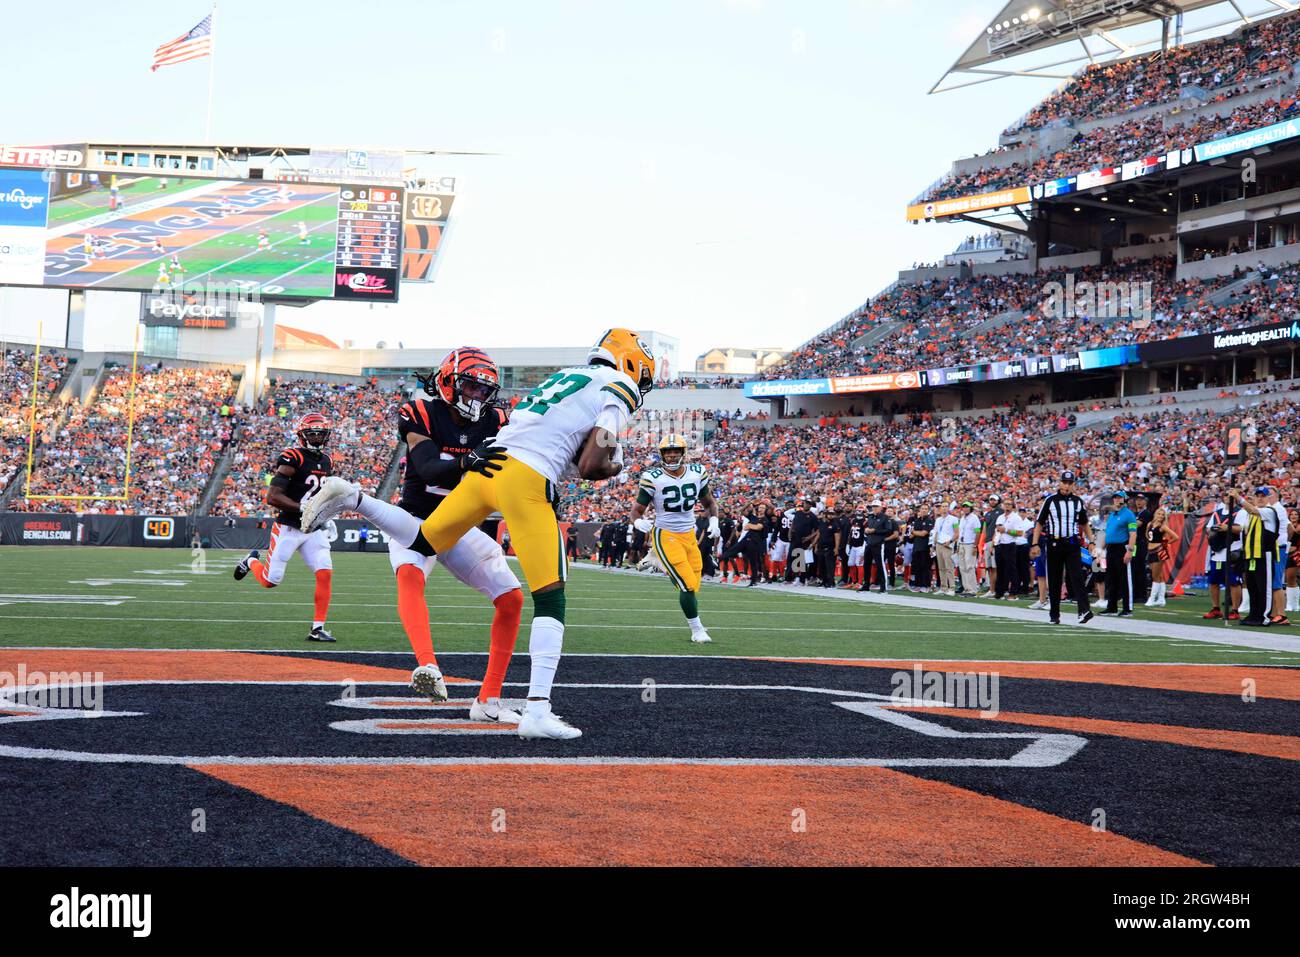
{"x": 165, "y": 603}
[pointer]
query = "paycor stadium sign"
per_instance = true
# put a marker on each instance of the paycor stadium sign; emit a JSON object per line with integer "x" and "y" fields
{"x": 1228, "y": 340}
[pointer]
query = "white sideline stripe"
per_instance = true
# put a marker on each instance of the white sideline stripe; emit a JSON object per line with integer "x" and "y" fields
{"x": 485, "y": 606}
{"x": 397, "y": 624}
{"x": 1126, "y": 626}
{"x": 309, "y": 653}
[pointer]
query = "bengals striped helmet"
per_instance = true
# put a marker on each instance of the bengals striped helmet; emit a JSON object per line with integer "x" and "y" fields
{"x": 467, "y": 380}
{"x": 313, "y": 431}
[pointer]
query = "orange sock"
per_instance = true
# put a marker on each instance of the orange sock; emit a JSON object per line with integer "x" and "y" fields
{"x": 415, "y": 613}
{"x": 259, "y": 572}
{"x": 505, "y": 632}
{"x": 323, "y": 579}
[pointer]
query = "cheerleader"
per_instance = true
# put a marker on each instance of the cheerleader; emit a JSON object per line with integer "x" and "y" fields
{"x": 1293, "y": 565}
{"x": 1159, "y": 539}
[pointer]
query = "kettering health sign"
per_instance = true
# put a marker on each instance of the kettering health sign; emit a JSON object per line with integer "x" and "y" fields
{"x": 1265, "y": 136}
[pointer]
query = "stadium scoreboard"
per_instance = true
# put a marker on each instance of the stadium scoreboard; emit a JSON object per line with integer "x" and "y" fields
{"x": 140, "y": 229}
{"x": 368, "y": 250}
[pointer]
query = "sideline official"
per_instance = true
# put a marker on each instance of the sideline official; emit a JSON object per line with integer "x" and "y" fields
{"x": 1062, "y": 521}
{"x": 1121, "y": 545}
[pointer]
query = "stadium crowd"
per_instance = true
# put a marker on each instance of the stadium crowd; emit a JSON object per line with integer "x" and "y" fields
{"x": 175, "y": 439}
{"x": 1222, "y": 66}
{"x": 934, "y": 321}
{"x": 16, "y": 379}
{"x": 363, "y": 414}
{"x": 923, "y": 457}
{"x": 1114, "y": 145}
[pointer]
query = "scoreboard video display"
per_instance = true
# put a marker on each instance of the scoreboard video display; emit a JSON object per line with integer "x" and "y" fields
{"x": 147, "y": 230}
{"x": 369, "y": 246}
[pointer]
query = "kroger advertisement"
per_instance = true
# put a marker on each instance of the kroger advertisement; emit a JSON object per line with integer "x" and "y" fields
{"x": 24, "y": 209}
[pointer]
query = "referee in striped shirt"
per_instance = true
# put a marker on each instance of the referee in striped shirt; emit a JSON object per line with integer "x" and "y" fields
{"x": 1062, "y": 521}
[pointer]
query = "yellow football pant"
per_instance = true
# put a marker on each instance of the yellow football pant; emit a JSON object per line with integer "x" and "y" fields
{"x": 523, "y": 497}
{"x": 679, "y": 553}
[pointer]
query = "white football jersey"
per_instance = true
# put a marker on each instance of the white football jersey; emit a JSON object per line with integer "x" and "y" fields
{"x": 674, "y": 496}
{"x": 548, "y": 427}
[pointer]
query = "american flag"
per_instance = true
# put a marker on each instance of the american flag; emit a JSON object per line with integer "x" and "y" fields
{"x": 188, "y": 46}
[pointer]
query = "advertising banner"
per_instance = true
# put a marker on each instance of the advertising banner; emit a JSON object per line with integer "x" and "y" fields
{"x": 783, "y": 387}
{"x": 881, "y": 382}
{"x": 968, "y": 204}
{"x": 1252, "y": 139}
{"x": 24, "y": 209}
{"x": 1253, "y": 337}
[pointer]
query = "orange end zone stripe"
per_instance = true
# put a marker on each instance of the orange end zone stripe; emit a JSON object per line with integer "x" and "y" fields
{"x": 1280, "y": 683}
{"x": 683, "y": 815}
{"x": 1246, "y": 742}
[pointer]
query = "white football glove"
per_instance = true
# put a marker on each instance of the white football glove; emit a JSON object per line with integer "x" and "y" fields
{"x": 617, "y": 457}
{"x": 714, "y": 530}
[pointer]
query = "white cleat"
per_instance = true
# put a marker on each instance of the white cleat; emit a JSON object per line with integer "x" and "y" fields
{"x": 334, "y": 497}
{"x": 427, "y": 680}
{"x": 493, "y": 710}
{"x": 546, "y": 725}
{"x": 701, "y": 637}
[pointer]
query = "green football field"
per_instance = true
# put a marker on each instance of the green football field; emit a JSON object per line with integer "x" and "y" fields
{"x": 69, "y": 209}
{"x": 165, "y": 598}
{"x": 288, "y": 268}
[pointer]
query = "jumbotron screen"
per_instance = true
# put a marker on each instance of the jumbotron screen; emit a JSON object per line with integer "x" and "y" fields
{"x": 147, "y": 230}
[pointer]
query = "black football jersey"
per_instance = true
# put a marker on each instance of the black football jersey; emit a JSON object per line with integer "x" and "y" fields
{"x": 783, "y": 531}
{"x": 436, "y": 420}
{"x": 857, "y": 532}
{"x": 309, "y": 467}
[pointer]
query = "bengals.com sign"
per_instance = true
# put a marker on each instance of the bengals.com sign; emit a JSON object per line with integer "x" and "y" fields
{"x": 884, "y": 382}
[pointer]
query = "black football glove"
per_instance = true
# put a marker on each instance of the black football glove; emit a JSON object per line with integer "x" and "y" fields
{"x": 485, "y": 459}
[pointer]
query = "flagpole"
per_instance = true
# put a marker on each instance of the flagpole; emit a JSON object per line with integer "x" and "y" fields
{"x": 212, "y": 66}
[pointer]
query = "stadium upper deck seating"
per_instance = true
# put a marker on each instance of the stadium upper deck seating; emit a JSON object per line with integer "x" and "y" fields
{"x": 1219, "y": 66}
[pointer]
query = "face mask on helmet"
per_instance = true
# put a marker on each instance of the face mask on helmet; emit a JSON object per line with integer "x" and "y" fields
{"x": 673, "y": 457}
{"x": 473, "y": 396}
{"x": 314, "y": 438}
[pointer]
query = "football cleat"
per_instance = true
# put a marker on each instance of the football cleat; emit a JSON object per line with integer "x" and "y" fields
{"x": 334, "y": 497}
{"x": 701, "y": 637}
{"x": 242, "y": 568}
{"x": 1213, "y": 614}
{"x": 547, "y": 724}
{"x": 320, "y": 634}
{"x": 1085, "y": 617}
{"x": 427, "y": 680}
{"x": 493, "y": 710}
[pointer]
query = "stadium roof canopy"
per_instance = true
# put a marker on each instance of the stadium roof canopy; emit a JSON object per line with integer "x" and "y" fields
{"x": 1026, "y": 27}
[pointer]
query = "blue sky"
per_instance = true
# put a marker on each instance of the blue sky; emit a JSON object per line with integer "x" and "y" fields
{"x": 732, "y": 172}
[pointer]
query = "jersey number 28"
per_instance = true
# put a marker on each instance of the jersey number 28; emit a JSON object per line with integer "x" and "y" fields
{"x": 680, "y": 498}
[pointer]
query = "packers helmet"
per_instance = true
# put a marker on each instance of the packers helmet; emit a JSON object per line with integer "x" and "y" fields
{"x": 673, "y": 442}
{"x": 627, "y": 352}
